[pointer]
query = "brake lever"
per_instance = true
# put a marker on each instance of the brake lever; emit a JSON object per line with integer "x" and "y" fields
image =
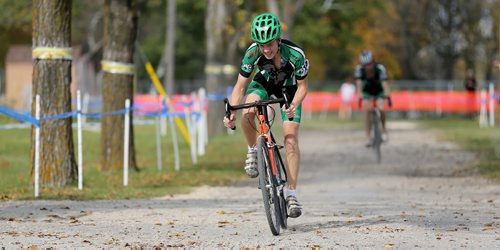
{"x": 227, "y": 108}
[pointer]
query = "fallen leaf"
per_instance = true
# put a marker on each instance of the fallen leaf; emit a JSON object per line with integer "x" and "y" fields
{"x": 220, "y": 212}
{"x": 488, "y": 228}
{"x": 224, "y": 222}
{"x": 388, "y": 245}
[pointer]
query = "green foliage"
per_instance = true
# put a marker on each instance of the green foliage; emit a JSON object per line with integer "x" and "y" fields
{"x": 330, "y": 33}
{"x": 190, "y": 36}
{"x": 15, "y": 25}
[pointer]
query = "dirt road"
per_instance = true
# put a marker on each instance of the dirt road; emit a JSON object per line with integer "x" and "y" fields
{"x": 421, "y": 196}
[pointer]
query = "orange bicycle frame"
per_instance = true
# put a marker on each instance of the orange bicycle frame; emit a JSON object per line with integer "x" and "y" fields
{"x": 263, "y": 131}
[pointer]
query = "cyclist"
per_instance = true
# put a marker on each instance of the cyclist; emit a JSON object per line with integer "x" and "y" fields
{"x": 279, "y": 63}
{"x": 371, "y": 81}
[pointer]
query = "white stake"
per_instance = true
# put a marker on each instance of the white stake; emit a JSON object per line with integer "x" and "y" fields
{"x": 194, "y": 127}
{"x": 202, "y": 130}
{"x": 483, "y": 120}
{"x": 158, "y": 144}
{"x": 174, "y": 135}
{"x": 79, "y": 132}
{"x": 125, "y": 143}
{"x": 187, "y": 118}
{"x": 492, "y": 105}
{"x": 37, "y": 144}
{"x": 174, "y": 140}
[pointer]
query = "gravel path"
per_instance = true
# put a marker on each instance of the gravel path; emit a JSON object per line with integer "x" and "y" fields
{"x": 421, "y": 196}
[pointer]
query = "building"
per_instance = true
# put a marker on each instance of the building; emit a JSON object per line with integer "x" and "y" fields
{"x": 18, "y": 77}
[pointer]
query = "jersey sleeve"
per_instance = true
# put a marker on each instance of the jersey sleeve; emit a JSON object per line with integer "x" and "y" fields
{"x": 302, "y": 69}
{"x": 357, "y": 72}
{"x": 383, "y": 72}
{"x": 248, "y": 62}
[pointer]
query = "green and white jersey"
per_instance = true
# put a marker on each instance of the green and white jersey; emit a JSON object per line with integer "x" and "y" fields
{"x": 372, "y": 86}
{"x": 379, "y": 76}
{"x": 294, "y": 65}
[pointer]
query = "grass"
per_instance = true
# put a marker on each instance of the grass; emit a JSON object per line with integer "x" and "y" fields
{"x": 485, "y": 143}
{"x": 216, "y": 167}
{"x": 221, "y": 164}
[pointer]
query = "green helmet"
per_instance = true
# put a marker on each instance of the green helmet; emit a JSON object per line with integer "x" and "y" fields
{"x": 266, "y": 28}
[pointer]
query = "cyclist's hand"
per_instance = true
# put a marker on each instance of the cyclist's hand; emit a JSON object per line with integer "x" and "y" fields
{"x": 231, "y": 121}
{"x": 290, "y": 111}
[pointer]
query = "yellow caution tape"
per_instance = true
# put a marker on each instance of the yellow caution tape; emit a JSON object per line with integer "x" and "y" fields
{"x": 52, "y": 53}
{"x": 118, "y": 67}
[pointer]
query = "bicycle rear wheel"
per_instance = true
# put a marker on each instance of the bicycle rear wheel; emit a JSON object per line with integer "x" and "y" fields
{"x": 377, "y": 135}
{"x": 267, "y": 184}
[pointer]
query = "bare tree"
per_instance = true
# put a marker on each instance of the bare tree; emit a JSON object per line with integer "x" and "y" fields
{"x": 446, "y": 20}
{"x": 223, "y": 34}
{"x": 169, "y": 47}
{"x": 120, "y": 28}
{"x": 472, "y": 31}
{"x": 51, "y": 80}
{"x": 287, "y": 13}
{"x": 412, "y": 30}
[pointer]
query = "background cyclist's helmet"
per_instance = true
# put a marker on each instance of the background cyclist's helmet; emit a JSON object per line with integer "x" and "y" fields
{"x": 265, "y": 28}
{"x": 366, "y": 57}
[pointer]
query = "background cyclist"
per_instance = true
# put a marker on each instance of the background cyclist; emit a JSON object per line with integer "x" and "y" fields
{"x": 371, "y": 81}
{"x": 279, "y": 63}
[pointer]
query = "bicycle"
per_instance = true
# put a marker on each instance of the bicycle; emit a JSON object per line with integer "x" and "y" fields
{"x": 376, "y": 128}
{"x": 272, "y": 171}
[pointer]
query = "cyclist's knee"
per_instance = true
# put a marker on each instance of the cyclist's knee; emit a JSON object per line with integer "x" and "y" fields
{"x": 291, "y": 142}
{"x": 248, "y": 113}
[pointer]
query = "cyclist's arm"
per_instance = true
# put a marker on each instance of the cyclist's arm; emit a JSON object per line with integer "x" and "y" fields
{"x": 387, "y": 90}
{"x": 359, "y": 87}
{"x": 239, "y": 89}
{"x": 300, "y": 94}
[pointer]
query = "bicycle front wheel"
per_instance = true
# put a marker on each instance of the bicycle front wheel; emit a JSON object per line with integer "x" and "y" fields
{"x": 281, "y": 182}
{"x": 267, "y": 186}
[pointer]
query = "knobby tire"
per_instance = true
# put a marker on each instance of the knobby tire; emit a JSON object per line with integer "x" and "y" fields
{"x": 268, "y": 187}
{"x": 281, "y": 175}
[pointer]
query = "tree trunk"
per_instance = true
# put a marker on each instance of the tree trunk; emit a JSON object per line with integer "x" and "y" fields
{"x": 120, "y": 26}
{"x": 52, "y": 80}
{"x": 169, "y": 47}
{"x": 214, "y": 25}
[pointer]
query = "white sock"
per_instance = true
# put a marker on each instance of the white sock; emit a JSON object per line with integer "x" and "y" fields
{"x": 290, "y": 192}
{"x": 251, "y": 148}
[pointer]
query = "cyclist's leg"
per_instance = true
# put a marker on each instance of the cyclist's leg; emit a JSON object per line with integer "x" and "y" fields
{"x": 381, "y": 108}
{"x": 367, "y": 107}
{"x": 291, "y": 133}
{"x": 254, "y": 93}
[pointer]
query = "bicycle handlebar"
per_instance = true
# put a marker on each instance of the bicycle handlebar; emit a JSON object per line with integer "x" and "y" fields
{"x": 228, "y": 107}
